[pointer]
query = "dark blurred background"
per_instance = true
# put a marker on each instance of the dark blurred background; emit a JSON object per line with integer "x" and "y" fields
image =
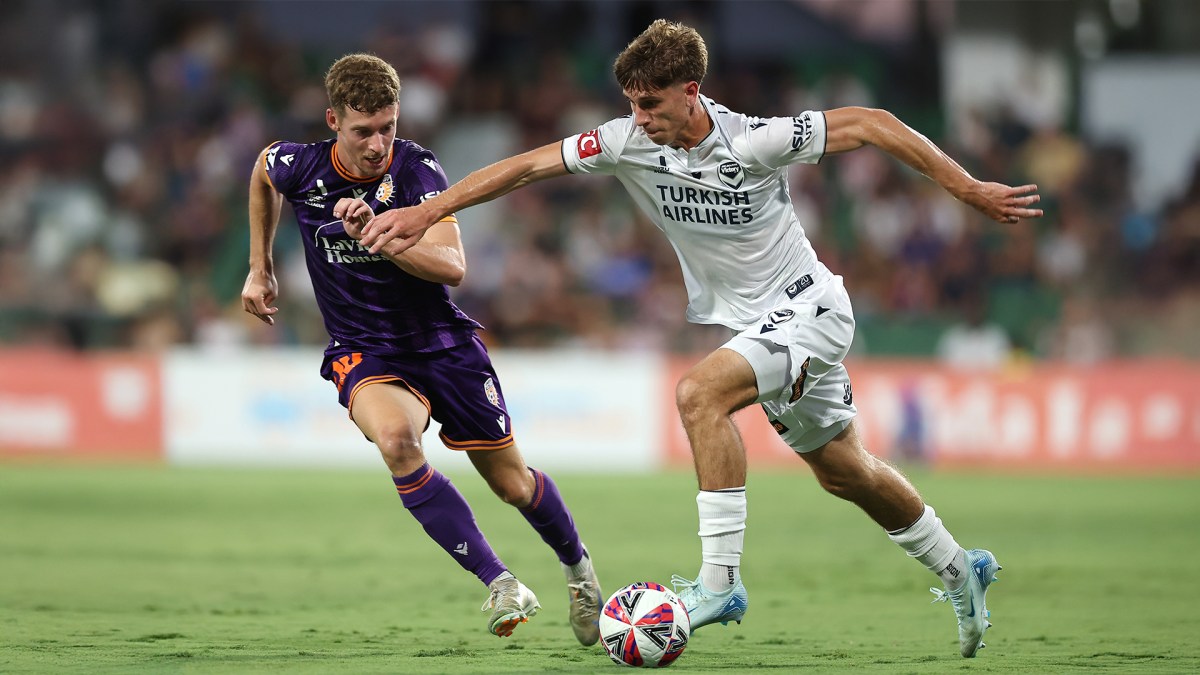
{"x": 128, "y": 130}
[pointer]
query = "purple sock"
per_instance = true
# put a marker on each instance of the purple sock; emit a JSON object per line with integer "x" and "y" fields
{"x": 440, "y": 508}
{"x": 550, "y": 517}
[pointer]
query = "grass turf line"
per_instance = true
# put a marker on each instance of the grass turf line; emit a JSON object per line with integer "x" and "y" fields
{"x": 148, "y": 569}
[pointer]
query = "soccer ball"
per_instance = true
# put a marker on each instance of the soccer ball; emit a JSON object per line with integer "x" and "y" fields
{"x": 644, "y": 625}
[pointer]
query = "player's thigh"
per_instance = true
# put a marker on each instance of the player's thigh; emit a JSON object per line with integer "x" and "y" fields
{"x": 724, "y": 380}
{"x": 390, "y": 415}
{"x": 796, "y": 353}
{"x": 467, "y": 399}
{"x": 794, "y": 346}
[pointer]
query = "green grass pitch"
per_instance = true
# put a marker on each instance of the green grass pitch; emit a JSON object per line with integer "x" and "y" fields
{"x": 150, "y": 569}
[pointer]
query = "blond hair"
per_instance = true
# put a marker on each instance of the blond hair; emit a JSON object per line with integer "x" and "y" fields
{"x": 361, "y": 82}
{"x": 664, "y": 54}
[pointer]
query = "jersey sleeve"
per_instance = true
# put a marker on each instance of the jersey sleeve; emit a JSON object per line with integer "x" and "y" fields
{"x": 778, "y": 141}
{"x": 598, "y": 150}
{"x": 423, "y": 179}
{"x": 284, "y": 164}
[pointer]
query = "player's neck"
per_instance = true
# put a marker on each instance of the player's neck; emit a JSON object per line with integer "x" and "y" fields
{"x": 697, "y": 129}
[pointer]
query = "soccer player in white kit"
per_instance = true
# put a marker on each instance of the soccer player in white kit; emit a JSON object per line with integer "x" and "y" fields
{"x": 714, "y": 182}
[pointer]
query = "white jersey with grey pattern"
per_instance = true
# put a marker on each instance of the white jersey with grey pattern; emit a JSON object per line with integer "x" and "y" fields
{"x": 724, "y": 205}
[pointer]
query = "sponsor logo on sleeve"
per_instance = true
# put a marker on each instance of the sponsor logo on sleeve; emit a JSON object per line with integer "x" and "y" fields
{"x": 588, "y": 144}
{"x": 802, "y": 130}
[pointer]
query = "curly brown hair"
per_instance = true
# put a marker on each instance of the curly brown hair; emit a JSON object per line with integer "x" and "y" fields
{"x": 361, "y": 82}
{"x": 664, "y": 54}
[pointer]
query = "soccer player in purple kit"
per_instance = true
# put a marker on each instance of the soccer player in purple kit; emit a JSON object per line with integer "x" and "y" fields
{"x": 400, "y": 351}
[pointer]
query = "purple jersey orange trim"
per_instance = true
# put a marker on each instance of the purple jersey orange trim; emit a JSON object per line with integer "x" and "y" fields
{"x": 367, "y": 302}
{"x": 347, "y": 174}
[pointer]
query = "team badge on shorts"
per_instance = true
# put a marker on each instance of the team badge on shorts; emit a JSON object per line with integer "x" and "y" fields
{"x": 489, "y": 388}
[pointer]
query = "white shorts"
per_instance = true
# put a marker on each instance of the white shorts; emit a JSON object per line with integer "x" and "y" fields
{"x": 796, "y": 351}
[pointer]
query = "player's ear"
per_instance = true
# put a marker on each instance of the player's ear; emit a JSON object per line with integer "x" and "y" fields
{"x": 331, "y": 119}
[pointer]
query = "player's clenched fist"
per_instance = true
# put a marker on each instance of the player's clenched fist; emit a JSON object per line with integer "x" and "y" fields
{"x": 355, "y": 215}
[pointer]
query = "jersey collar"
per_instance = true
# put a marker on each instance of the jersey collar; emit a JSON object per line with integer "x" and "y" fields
{"x": 345, "y": 173}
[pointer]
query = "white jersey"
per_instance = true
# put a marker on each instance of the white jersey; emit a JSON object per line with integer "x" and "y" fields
{"x": 724, "y": 205}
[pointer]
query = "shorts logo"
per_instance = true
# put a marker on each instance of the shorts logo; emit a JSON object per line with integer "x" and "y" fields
{"x": 797, "y": 287}
{"x": 386, "y": 190}
{"x": 343, "y": 366}
{"x": 731, "y": 175}
{"x": 776, "y": 317}
{"x": 779, "y": 427}
{"x": 798, "y": 385}
{"x": 848, "y": 399}
{"x": 489, "y": 389}
{"x": 588, "y": 144}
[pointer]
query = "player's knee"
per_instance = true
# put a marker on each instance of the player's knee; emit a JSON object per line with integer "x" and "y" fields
{"x": 400, "y": 447}
{"x": 514, "y": 489}
{"x": 844, "y": 481}
{"x": 692, "y": 398}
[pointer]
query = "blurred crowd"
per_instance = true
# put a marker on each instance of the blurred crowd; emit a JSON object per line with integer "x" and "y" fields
{"x": 128, "y": 146}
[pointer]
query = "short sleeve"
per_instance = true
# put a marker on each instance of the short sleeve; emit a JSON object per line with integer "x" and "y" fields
{"x": 425, "y": 178}
{"x": 598, "y": 150}
{"x": 779, "y": 141}
{"x": 282, "y": 166}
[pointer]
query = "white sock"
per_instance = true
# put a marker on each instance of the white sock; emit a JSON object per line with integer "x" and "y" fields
{"x": 932, "y": 545}
{"x": 580, "y": 568}
{"x": 722, "y": 529}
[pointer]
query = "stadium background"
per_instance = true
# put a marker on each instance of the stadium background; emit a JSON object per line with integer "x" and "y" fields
{"x": 123, "y": 222}
{"x": 1005, "y": 366}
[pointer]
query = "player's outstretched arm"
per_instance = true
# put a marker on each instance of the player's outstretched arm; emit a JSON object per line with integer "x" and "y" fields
{"x": 851, "y": 128}
{"x": 261, "y": 289}
{"x": 437, "y": 257}
{"x": 483, "y": 185}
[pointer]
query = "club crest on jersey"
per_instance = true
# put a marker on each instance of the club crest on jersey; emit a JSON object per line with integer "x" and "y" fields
{"x": 588, "y": 144}
{"x": 489, "y": 389}
{"x": 386, "y": 190}
{"x": 731, "y": 175}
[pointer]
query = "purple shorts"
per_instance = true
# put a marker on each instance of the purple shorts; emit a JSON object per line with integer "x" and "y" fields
{"x": 458, "y": 386}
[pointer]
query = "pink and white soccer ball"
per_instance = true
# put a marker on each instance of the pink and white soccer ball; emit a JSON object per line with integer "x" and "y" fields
{"x": 644, "y": 625}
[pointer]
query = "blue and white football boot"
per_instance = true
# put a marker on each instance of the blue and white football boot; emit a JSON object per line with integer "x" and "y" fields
{"x": 704, "y": 606}
{"x": 968, "y": 601}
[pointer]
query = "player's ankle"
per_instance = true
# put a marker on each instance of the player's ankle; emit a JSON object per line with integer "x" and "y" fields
{"x": 719, "y": 578}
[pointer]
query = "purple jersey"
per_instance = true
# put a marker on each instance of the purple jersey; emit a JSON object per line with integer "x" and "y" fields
{"x": 367, "y": 302}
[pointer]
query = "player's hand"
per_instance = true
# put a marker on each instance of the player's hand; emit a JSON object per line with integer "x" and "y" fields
{"x": 258, "y": 293}
{"x": 1002, "y": 203}
{"x": 406, "y": 226}
{"x": 355, "y": 214}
